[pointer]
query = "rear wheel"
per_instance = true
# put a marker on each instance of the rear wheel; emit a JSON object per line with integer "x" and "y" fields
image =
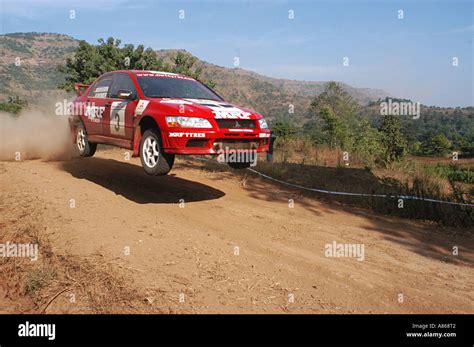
{"x": 86, "y": 148}
{"x": 154, "y": 160}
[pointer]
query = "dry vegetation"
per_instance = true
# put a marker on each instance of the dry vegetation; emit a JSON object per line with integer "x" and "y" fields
{"x": 299, "y": 162}
{"x": 55, "y": 282}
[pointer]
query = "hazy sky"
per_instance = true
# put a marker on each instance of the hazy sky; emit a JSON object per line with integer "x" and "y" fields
{"x": 410, "y": 57}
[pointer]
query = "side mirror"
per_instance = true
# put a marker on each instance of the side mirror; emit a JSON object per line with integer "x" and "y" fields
{"x": 125, "y": 94}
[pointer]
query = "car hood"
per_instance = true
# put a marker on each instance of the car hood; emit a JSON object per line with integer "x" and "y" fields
{"x": 204, "y": 108}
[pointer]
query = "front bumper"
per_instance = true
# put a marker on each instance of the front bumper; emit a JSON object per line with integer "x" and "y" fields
{"x": 211, "y": 141}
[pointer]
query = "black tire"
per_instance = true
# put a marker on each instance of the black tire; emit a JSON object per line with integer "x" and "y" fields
{"x": 239, "y": 166}
{"x": 86, "y": 148}
{"x": 155, "y": 162}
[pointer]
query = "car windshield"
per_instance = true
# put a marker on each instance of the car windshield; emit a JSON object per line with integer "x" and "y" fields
{"x": 165, "y": 87}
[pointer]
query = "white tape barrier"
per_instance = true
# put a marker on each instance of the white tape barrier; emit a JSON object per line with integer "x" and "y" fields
{"x": 406, "y": 197}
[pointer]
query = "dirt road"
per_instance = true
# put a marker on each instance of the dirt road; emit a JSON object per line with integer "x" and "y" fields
{"x": 233, "y": 243}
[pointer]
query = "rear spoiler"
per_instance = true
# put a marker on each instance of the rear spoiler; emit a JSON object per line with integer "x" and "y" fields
{"x": 80, "y": 88}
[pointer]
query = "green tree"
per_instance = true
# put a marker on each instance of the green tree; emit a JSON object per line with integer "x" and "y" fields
{"x": 392, "y": 138}
{"x": 467, "y": 144}
{"x": 283, "y": 129}
{"x": 313, "y": 130}
{"x": 333, "y": 117}
{"x": 91, "y": 61}
{"x": 339, "y": 102}
{"x": 368, "y": 144}
{"x": 439, "y": 145}
{"x": 415, "y": 148}
{"x": 334, "y": 130}
{"x": 185, "y": 64}
{"x": 13, "y": 105}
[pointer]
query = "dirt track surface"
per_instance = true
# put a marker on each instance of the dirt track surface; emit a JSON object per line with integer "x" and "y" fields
{"x": 236, "y": 245}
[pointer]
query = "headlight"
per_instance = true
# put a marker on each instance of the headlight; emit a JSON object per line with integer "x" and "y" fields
{"x": 263, "y": 123}
{"x": 188, "y": 122}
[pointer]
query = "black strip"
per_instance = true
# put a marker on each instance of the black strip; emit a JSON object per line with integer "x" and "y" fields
{"x": 226, "y": 329}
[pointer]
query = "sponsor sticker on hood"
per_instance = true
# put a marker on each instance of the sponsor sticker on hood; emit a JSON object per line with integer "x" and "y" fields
{"x": 223, "y": 110}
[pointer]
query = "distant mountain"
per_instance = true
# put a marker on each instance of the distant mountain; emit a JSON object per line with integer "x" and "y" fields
{"x": 38, "y": 56}
{"x": 40, "y": 53}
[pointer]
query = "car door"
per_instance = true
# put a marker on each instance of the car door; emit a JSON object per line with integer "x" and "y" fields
{"x": 122, "y": 110}
{"x": 98, "y": 106}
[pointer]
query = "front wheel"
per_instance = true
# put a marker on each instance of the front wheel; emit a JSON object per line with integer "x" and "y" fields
{"x": 86, "y": 148}
{"x": 154, "y": 160}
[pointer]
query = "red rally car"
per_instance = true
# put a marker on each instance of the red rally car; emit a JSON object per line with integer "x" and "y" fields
{"x": 160, "y": 114}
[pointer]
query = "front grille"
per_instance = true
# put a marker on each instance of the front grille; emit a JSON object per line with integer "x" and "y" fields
{"x": 196, "y": 143}
{"x": 225, "y": 145}
{"x": 236, "y": 123}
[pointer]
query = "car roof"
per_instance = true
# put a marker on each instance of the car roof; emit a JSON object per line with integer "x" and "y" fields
{"x": 148, "y": 71}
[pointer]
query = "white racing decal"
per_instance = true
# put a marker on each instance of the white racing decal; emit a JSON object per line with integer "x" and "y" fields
{"x": 94, "y": 113}
{"x": 141, "y": 106}
{"x": 223, "y": 110}
{"x": 176, "y": 101}
{"x": 101, "y": 92}
{"x": 203, "y": 101}
{"x": 187, "y": 134}
{"x": 163, "y": 74}
{"x": 101, "y": 89}
{"x": 230, "y": 113}
{"x": 117, "y": 117}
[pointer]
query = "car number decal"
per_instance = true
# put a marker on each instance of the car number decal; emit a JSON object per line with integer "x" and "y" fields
{"x": 117, "y": 117}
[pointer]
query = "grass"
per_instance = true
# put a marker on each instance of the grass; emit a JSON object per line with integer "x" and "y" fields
{"x": 299, "y": 162}
{"x": 452, "y": 172}
{"x": 38, "y": 277}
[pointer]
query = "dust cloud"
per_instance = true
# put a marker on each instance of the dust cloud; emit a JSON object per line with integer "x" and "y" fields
{"x": 35, "y": 134}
